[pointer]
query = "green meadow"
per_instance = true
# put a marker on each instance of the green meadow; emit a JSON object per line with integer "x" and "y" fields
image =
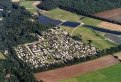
{"x": 109, "y": 74}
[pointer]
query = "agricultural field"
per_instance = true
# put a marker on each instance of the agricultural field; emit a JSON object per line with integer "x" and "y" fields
{"x": 114, "y": 14}
{"x": 116, "y": 18}
{"x": 2, "y": 56}
{"x": 78, "y": 69}
{"x": 28, "y": 5}
{"x": 118, "y": 54}
{"x": 110, "y": 26}
{"x": 109, "y": 74}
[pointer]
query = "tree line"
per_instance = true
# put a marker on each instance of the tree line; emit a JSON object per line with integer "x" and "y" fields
{"x": 86, "y": 6}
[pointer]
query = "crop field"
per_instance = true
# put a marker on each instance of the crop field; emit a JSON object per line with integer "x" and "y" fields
{"x": 2, "y": 56}
{"x": 116, "y": 18}
{"x": 114, "y": 14}
{"x": 28, "y": 5}
{"x": 110, "y": 26}
{"x": 118, "y": 54}
{"x": 109, "y": 74}
{"x": 78, "y": 69}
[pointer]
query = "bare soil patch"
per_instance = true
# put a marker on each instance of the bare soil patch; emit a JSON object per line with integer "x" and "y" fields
{"x": 75, "y": 70}
{"x": 15, "y": 0}
{"x": 118, "y": 55}
{"x": 109, "y": 13}
{"x": 36, "y": 3}
{"x": 110, "y": 26}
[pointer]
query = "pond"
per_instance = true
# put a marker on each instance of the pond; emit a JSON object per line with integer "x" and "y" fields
{"x": 114, "y": 38}
{"x": 102, "y": 30}
{"x": 47, "y": 20}
{"x": 70, "y": 24}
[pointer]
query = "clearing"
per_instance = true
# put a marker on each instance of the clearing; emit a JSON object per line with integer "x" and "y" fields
{"x": 110, "y": 26}
{"x": 75, "y": 70}
{"x": 36, "y": 3}
{"x": 2, "y": 56}
{"x": 28, "y": 5}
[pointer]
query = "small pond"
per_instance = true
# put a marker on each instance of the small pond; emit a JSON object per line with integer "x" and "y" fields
{"x": 70, "y": 24}
{"x": 47, "y": 20}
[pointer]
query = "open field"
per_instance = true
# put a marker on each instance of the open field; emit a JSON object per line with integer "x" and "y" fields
{"x": 36, "y": 3}
{"x": 89, "y": 34}
{"x": 75, "y": 70}
{"x": 114, "y": 14}
{"x": 28, "y": 5}
{"x": 60, "y": 14}
{"x": 116, "y": 18}
{"x": 109, "y": 74}
{"x": 118, "y": 54}
{"x": 2, "y": 56}
{"x": 110, "y": 26}
{"x": 109, "y": 13}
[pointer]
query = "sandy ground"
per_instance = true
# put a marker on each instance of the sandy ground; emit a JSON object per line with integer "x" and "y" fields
{"x": 109, "y": 13}
{"x": 36, "y": 3}
{"x": 75, "y": 70}
{"x": 15, "y": 0}
{"x": 118, "y": 54}
{"x": 110, "y": 26}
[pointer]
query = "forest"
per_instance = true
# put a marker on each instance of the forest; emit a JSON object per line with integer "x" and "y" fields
{"x": 18, "y": 26}
{"x": 83, "y": 6}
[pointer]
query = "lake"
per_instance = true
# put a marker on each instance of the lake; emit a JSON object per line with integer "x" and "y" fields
{"x": 114, "y": 38}
{"x": 102, "y": 30}
{"x": 47, "y": 20}
{"x": 70, "y": 24}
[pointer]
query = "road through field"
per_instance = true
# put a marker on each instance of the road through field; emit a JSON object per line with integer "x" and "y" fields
{"x": 75, "y": 70}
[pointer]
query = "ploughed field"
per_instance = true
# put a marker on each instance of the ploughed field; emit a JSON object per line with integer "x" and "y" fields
{"x": 114, "y": 14}
{"x": 75, "y": 70}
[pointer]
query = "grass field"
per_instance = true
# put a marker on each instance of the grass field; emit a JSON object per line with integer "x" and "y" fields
{"x": 88, "y": 34}
{"x": 118, "y": 54}
{"x": 2, "y": 56}
{"x": 109, "y": 74}
{"x": 66, "y": 15}
{"x": 28, "y": 5}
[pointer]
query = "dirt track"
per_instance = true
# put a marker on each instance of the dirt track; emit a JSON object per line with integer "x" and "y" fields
{"x": 109, "y": 13}
{"x": 75, "y": 70}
